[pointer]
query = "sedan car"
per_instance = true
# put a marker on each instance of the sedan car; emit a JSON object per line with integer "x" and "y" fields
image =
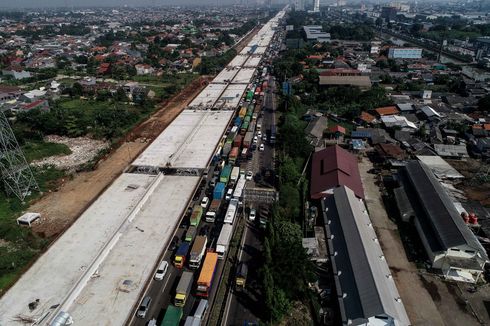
{"x": 261, "y": 147}
{"x": 249, "y": 175}
{"x": 252, "y": 215}
{"x": 161, "y": 271}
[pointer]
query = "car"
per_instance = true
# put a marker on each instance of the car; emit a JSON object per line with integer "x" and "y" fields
{"x": 205, "y": 202}
{"x": 144, "y": 307}
{"x": 212, "y": 183}
{"x": 255, "y": 139}
{"x": 262, "y": 147}
{"x": 204, "y": 230}
{"x": 252, "y": 215}
{"x": 174, "y": 244}
{"x": 229, "y": 194}
{"x": 259, "y": 134}
{"x": 264, "y": 137}
{"x": 249, "y": 175}
{"x": 152, "y": 322}
{"x": 161, "y": 271}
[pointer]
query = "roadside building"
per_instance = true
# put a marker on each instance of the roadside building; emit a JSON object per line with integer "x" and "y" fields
{"x": 344, "y": 76}
{"x": 404, "y": 53}
{"x": 450, "y": 245}
{"x": 314, "y": 33}
{"x": 389, "y": 13}
{"x": 332, "y": 167}
{"x": 366, "y": 290}
{"x": 314, "y": 130}
{"x": 451, "y": 151}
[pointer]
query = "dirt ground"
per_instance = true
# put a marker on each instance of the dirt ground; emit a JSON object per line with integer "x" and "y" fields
{"x": 469, "y": 168}
{"x": 419, "y": 305}
{"x": 60, "y": 209}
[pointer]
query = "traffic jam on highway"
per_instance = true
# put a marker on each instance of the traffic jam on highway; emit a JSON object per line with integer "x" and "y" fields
{"x": 196, "y": 254}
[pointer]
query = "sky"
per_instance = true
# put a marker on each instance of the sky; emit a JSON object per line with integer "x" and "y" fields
{"x": 88, "y": 3}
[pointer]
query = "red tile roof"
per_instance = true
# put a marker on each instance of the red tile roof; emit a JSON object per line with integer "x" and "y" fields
{"x": 369, "y": 118}
{"x": 387, "y": 110}
{"x": 332, "y": 167}
{"x": 337, "y": 128}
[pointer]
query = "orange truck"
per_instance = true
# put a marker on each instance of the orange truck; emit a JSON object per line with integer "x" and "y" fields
{"x": 205, "y": 280}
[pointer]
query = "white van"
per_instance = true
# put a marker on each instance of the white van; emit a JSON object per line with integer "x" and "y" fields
{"x": 229, "y": 194}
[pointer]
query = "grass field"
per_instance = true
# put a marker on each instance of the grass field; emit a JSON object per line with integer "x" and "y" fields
{"x": 18, "y": 245}
{"x": 39, "y": 150}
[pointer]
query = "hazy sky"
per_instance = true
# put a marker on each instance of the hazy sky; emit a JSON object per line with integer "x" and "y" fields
{"x": 88, "y": 3}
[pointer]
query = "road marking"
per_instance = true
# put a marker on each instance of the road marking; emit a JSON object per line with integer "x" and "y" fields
{"x": 165, "y": 285}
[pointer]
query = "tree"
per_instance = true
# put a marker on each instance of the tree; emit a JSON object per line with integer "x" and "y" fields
{"x": 484, "y": 103}
{"x": 76, "y": 89}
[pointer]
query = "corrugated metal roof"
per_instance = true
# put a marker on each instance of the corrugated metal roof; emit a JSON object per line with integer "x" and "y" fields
{"x": 440, "y": 212}
{"x": 364, "y": 285}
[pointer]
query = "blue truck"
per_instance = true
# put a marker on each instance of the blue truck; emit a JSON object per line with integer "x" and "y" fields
{"x": 219, "y": 191}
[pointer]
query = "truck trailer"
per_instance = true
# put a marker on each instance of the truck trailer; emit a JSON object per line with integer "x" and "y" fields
{"x": 172, "y": 317}
{"x": 184, "y": 288}
{"x": 213, "y": 210}
{"x": 196, "y": 215}
{"x": 235, "y": 173}
{"x": 181, "y": 254}
{"x": 197, "y": 252}
{"x": 231, "y": 211}
{"x": 225, "y": 174}
{"x": 219, "y": 191}
{"x": 205, "y": 280}
{"x": 224, "y": 239}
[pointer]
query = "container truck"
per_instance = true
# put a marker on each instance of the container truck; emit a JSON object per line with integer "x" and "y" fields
{"x": 250, "y": 95}
{"x": 224, "y": 239}
{"x": 244, "y": 154}
{"x": 196, "y": 215}
{"x": 192, "y": 321}
{"x": 213, "y": 210}
{"x": 205, "y": 280}
{"x": 237, "y": 122}
{"x": 181, "y": 254}
{"x": 247, "y": 140}
{"x": 241, "y": 276}
{"x": 172, "y": 316}
{"x": 243, "y": 112}
{"x": 235, "y": 173}
{"x": 251, "y": 127}
{"x": 219, "y": 191}
{"x": 225, "y": 174}
{"x": 197, "y": 252}
{"x": 226, "y": 148}
{"x": 244, "y": 127}
{"x": 258, "y": 125}
{"x": 190, "y": 234}
{"x": 238, "y": 141}
{"x": 233, "y": 155}
{"x": 183, "y": 289}
{"x": 240, "y": 185}
{"x": 231, "y": 211}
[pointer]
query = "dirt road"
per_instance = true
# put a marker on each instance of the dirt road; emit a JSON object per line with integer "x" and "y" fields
{"x": 420, "y": 307}
{"x": 61, "y": 208}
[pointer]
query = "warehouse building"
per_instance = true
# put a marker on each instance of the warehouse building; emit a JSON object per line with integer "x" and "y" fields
{"x": 449, "y": 243}
{"x": 366, "y": 290}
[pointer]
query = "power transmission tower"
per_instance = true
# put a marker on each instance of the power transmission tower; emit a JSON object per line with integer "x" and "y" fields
{"x": 16, "y": 173}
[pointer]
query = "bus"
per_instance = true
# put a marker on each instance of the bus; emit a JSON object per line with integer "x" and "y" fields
{"x": 205, "y": 280}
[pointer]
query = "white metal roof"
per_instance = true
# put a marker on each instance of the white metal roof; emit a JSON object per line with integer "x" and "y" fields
{"x": 188, "y": 142}
{"x": 55, "y": 272}
{"x": 244, "y": 76}
{"x": 134, "y": 256}
{"x": 208, "y": 96}
{"x": 441, "y": 168}
{"x": 231, "y": 96}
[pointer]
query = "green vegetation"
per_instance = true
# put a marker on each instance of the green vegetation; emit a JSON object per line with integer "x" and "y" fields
{"x": 19, "y": 245}
{"x": 37, "y": 150}
{"x": 484, "y": 103}
{"x": 212, "y": 65}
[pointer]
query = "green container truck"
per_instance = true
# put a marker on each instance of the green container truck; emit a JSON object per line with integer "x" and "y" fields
{"x": 225, "y": 174}
{"x": 172, "y": 316}
{"x": 196, "y": 215}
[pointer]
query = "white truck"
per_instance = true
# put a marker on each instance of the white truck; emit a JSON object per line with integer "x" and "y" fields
{"x": 231, "y": 211}
{"x": 198, "y": 251}
{"x": 224, "y": 240}
{"x": 235, "y": 174}
{"x": 240, "y": 185}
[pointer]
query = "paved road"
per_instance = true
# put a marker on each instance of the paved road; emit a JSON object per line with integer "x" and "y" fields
{"x": 246, "y": 306}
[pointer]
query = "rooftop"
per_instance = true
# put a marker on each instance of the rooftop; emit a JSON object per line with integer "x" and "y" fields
{"x": 332, "y": 167}
{"x": 363, "y": 280}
